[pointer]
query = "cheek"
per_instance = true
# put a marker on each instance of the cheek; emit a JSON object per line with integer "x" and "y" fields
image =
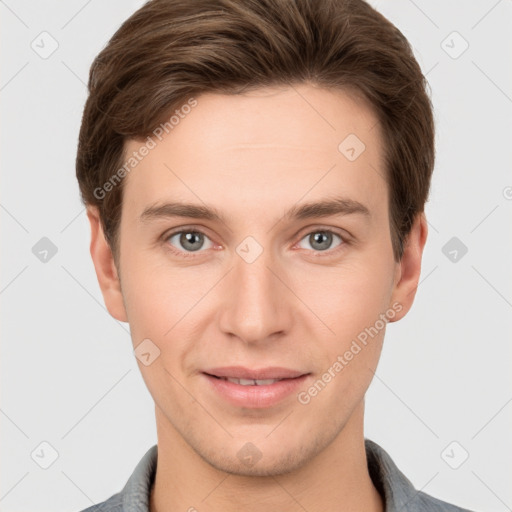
{"x": 351, "y": 300}
{"x": 355, "y": 313}
{"x": 167, "y": 305}
{"x": 154, "y": 309}
{"x": 151, "y": 301}
{"x": 347, "y": 298}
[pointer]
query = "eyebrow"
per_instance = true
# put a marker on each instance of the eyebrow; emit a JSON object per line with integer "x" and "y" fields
{"x": 328, "y": 207}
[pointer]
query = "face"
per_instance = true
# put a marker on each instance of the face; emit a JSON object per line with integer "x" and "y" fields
{"x": 253, "y": 282}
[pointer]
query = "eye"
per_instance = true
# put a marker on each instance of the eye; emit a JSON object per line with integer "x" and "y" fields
{"x": 189, "y": 241}
{"x": 321, "y": 240}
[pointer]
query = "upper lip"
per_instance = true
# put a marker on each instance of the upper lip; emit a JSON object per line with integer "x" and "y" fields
{"x": 240, "y": 372}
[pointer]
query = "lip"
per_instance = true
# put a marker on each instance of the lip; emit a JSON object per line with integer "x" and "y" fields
{"x": 240, "y": 372}
{"x": 254, "y": 396}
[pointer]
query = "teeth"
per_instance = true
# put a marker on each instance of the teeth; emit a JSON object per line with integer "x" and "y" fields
{"x": 252, "y": 382}
{"x": 266, "y": 382}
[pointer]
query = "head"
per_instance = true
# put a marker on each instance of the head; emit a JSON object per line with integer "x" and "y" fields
{"x": 255, "y": 173}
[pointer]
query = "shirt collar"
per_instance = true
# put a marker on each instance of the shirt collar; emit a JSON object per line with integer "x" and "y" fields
{"x": 396, "y": 490}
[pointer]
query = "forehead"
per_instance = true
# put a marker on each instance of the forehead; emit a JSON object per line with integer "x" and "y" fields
{"x": 265, "y": 148}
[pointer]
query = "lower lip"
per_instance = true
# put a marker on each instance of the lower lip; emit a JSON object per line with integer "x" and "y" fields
{"x": 255, "y": 397}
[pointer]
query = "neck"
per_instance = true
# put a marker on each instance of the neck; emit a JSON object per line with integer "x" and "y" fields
{"x": 337, "y": 479}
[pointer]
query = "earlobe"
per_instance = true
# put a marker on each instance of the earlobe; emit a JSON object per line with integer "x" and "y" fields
{"x": 105, "y": 268}
{"x": 409, "y": 267}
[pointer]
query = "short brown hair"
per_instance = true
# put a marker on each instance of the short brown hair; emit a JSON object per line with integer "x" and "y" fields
{"x": 171, "y": 50}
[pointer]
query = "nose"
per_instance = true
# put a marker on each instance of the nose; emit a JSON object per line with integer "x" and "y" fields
{"x": 258, "y": 306}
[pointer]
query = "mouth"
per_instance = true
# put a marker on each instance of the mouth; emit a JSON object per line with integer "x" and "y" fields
{"x": 242, "y": 373}
{"x": 248, "y": 382}
{"x": 256, "y": 389}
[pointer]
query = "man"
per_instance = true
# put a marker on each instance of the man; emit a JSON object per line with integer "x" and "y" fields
{"x": 292, "y": 143}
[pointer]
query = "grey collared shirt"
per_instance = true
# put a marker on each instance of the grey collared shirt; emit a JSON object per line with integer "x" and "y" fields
{"x": 396, "y": 490}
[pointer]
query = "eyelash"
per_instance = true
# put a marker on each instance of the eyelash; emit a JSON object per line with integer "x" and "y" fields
{"x": 319, "y": 254}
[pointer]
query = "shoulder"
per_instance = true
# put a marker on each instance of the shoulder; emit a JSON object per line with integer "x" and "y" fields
{"x": 424, "y": 502}
{"x": 136, "y": 491}
{"x": 398, "y": 492}
{"x": 113, "y": 504}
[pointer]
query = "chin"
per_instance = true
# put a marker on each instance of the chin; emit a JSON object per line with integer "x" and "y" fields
{"x": 263, "y": 459}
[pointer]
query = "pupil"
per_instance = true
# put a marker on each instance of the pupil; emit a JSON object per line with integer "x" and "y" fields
{"x": 323, "y": 239}
{"x": 188, "y": 239}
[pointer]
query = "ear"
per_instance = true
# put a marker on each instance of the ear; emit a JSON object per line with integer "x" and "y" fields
{"x": 106, "y": 270}
{"x": 408, "y": 270}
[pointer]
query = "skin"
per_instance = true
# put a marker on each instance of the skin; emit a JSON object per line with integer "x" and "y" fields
{"x": 252, "y": 157}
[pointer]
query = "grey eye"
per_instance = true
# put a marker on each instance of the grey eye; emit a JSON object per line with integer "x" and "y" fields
{"x": 321, "y": 240}
{"x": 190, "y": 241}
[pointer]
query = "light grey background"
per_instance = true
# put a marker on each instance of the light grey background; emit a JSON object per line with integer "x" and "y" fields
{"x": 69, "y": 377}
